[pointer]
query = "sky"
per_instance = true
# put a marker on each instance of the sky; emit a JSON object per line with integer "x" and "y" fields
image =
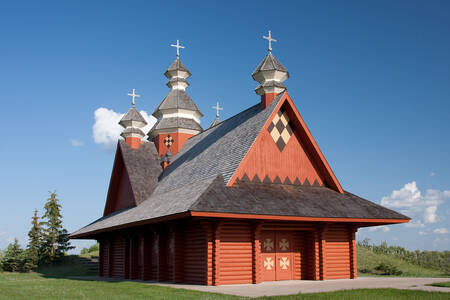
{"x": 370, "y": 78}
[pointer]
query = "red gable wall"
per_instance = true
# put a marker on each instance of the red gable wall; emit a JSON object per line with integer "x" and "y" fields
{"x": 265, "y": 159}
{"x": 299, "y": 162}
{"x": 120, "y": 193}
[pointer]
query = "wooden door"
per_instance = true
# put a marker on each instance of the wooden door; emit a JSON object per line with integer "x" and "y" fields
{"x": 284, "y": 251}
{"x": 276, "y": 255}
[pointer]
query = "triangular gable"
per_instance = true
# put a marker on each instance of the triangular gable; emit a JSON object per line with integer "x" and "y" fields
{"x": 120, "y": 192}
{"x": 286, "y": 152}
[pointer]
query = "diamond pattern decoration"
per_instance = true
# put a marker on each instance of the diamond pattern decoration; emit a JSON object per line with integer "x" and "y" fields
{"x": 284, "y": 263}
{"x": 280, "y": 129}
{"x": 269, "y": 263}
{"x": 168, "y": 141}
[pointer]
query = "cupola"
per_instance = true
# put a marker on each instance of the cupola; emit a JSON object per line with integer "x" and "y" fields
{"x": 133, "y": 121}
{"x": 270, "y": 74}
{"x": 178, "y": 118}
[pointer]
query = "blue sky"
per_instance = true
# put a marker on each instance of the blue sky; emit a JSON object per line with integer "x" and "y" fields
{"x": 370, "y": 78}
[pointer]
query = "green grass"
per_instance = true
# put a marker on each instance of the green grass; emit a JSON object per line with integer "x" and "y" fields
{"x": 369, "y": 260}
{"x": 441, "y": 284}
{"x": 37, "y": 286}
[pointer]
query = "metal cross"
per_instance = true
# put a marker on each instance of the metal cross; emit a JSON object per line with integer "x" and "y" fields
{"x": 178, "y": 46}
{"x": 270, "y": 39}
{"x": 133, "y": 95}
{"x": 218, "y": 109}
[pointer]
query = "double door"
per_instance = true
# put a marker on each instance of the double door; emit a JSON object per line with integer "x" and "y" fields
{"x": 277, "y": 255}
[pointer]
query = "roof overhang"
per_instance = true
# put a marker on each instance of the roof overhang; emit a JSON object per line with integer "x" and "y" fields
{"x": 362, "y": 222}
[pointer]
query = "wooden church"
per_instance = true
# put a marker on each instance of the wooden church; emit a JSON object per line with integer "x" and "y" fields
{"x": 250, "y": 199}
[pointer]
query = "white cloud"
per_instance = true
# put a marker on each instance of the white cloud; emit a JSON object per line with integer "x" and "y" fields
{"x": 441, "y": 231}
{"x": 410, "y": 201}
{"x": 382, "y": 228}
{"x": 423, "y": 233}
{"x": 106, "y": 129}
{"x": 76, "y": 143}
{"x": 414, "y": 224}
{"x": 432, "y": 174}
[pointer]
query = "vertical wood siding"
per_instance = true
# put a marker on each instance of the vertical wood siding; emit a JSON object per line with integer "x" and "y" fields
{"x": 235, "y": 260}
{"x": 337, "y": 251}
{"x": 195, "y": 254}
{"x": 118, "y": 257}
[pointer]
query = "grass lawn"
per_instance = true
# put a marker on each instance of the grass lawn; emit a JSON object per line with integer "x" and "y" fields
{"x": 368, "y": 260}
{"x": 441, "y": 284}
{"x": 40, "y": 286}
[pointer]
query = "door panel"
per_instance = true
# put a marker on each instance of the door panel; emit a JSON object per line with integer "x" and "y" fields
{"x": 276, "y": 255}
{"x": 268, "y": 255}
{"x": 285, "y": 264}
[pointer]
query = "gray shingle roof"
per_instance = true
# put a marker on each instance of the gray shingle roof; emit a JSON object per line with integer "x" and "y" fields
{"x": 196, "y": 181}
{"x": 143, "y": 168}
{"x": 133, "y": 115}
{"x": 215, "y": 122}
{"x": 177, "y": 99}
{"x": 218, "y": 150}
{"x": 177, "y": 65}
{"x": 270, "y": 63}
{"x": 186, "y": 123}
{"x": 289, "y": 200}
{"x": 132, "y": 130}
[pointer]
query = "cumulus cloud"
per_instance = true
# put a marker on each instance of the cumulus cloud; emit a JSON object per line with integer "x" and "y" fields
{"x": 441, "y": 231}
{"x": 423, "y": 233}
{"x": 432, "y": 174}
{"x": 76, "y": 143}
{"x": 410, "y": 201}
{"x": 382, "y": 228}
{"x": 106, "y": 129}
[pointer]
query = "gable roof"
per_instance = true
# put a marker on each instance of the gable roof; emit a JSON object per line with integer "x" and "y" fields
{"x": 142, "y": 167}
{"x": 197, "y": 181}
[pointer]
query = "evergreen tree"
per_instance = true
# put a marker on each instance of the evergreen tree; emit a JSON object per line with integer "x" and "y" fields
{"x": 55, "y": 238}
{"x": 13, "y": 257}
{"x": 34, "y": 241}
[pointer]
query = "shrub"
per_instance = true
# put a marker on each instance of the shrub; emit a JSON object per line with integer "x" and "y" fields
{"x": 15, "y": 259}
{"x": 94, "y": 248}
{"x": 388, "y": 269}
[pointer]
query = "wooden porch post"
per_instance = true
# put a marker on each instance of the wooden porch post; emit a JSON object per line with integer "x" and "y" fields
{"x": 110, "y": 255}
{"x": 101, "y": 257}
{"x": 256, "y": 253}
{"x": 323, "y": 252}
{"x": 147, "y": 255}
{"x": 133, "y": 261}
{"x": 353, "y": 266}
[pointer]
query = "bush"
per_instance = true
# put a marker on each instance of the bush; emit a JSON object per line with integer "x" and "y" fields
{"x": 388, "y": 269}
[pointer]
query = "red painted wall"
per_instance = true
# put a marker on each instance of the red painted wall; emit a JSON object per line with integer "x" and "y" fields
{"x": 178, "y": 141}
{"x": 195, "y": 254}
{"x": 235, "y": 253}
{"x": 264, "y": 158}
{"x": 208, "y": 251}
{"x": 337, "y": 252}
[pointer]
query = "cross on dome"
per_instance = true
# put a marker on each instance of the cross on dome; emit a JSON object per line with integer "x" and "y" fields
{"x": 218, "y": 109}
{"x": 178, "y": 46}
{"x": 270, "y": 39}
{"x": 133, "y": 95}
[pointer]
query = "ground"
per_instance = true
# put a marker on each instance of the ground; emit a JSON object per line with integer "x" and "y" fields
{"x": 42, "y": 286}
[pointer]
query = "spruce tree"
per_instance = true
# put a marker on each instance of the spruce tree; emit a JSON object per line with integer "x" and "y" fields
{"x": 34, "y": 241}
{"x": 55, "y": 238}
{"x": 13, "y": 257}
